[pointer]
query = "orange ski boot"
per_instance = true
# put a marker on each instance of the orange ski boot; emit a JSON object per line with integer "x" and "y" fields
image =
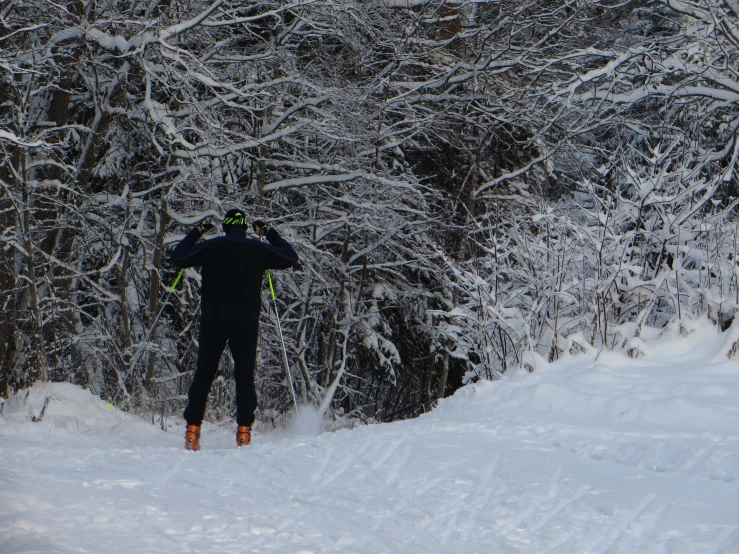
{"x": 192, "y": 437}
{"x": 243, "y": 435}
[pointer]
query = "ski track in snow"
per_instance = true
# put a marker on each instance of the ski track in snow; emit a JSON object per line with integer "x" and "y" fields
{"x": 613, "y": 456}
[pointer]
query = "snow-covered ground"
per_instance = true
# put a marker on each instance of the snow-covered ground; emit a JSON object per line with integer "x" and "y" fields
{"x": 592, "y": 454}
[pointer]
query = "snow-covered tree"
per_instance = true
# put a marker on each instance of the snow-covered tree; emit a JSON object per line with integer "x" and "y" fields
{"x": 469, "y": 185}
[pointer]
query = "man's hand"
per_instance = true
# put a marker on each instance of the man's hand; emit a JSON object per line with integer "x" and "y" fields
{"x": 260, "y": 227}
{"x": 199, "y": 230}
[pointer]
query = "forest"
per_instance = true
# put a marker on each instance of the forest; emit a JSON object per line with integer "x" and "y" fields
{"x": 471, "y": 186}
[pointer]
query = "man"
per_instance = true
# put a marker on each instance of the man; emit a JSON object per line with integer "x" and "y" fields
{"x": 230, "y": 302}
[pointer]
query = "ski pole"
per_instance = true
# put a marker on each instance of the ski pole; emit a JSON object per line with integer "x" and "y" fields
{"x": 142, "y": 345}
{"x": 282, "y": 339}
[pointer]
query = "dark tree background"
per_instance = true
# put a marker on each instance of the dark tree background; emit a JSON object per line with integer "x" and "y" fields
{"x": 471, "y": 186}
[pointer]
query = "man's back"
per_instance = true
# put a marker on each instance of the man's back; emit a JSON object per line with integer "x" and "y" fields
{"x": 233, "y": 271}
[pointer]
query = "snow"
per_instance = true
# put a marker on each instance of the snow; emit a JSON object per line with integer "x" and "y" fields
{"x": 596, "y": 453}
{"x": 12, "y": 137}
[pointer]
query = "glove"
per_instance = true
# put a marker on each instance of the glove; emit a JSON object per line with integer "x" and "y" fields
{"x": 260, "y": 227}
{"x": 200, "y": 230}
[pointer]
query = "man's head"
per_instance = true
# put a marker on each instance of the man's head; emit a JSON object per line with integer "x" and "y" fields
{"x": 235, "y": 219}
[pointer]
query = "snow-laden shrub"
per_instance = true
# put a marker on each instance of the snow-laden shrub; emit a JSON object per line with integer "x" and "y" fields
{"x": 646, "y": 241}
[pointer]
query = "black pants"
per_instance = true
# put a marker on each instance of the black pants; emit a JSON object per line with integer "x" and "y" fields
{"x": 242, "y": 339}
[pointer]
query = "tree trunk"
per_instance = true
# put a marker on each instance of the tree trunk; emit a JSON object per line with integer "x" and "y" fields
{"x": 38, "y": 338}
{"x": 445, "y": 368}
{"x": 469, "y": 204}
{"x": 154, "y": 295}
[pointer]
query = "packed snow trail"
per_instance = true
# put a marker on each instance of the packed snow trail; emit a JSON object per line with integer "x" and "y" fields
{"x": 596, "y": 453}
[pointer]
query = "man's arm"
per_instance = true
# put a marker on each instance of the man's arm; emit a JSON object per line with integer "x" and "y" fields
{"x": 280, "y": 255}
{"x": 187, "y": 253}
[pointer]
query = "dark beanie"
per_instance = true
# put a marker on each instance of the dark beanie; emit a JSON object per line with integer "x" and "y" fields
{"x": 236, "y": 218}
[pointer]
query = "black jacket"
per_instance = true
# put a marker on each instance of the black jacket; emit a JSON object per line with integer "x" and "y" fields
{"x": 233, "y": 271}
